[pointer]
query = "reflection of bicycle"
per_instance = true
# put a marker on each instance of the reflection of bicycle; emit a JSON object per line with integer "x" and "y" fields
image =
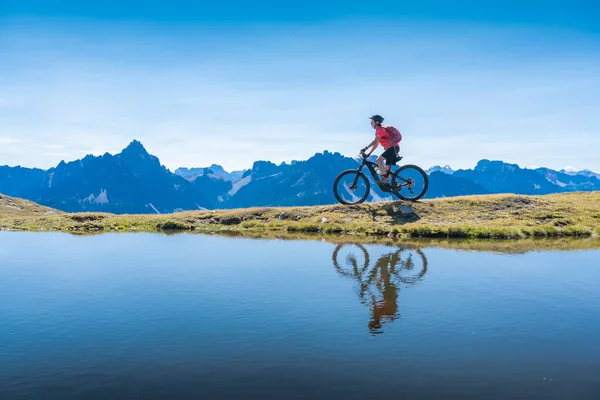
{"x": 405, "y": 268}
{"x": 408, "y": 182}
{"x": 378, "y": 285}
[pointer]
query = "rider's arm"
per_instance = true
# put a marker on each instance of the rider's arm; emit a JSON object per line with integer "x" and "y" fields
{"x": 374, "y": 143}
{"x": 374, "y": 147}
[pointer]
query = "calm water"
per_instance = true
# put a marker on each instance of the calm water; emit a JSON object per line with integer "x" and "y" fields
{"x": 152, "y": 316}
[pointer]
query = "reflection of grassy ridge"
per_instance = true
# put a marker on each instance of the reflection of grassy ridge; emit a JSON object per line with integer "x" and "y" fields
{"x": 500, "y": 246}
{"x": 488, "y": 217}
{"x": 494, "y": 245}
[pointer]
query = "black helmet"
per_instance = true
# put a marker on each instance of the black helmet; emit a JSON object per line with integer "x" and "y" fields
{"x": 376, "y": 118}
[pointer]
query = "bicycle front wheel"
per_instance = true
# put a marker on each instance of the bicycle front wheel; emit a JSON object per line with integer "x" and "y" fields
{"x": 410, "y": 182}
{"x": 351, "y": 187}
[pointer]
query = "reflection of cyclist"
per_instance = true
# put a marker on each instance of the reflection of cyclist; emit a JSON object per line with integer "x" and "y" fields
{"x": 386, "y": 309}
{"x": 379, "y": 284}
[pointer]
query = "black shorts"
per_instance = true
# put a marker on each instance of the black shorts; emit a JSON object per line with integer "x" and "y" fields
{"x": 391, "y": 155}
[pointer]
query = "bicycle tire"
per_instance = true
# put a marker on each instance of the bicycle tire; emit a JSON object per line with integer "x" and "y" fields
{"x": 361, "y": 176}
{"x": 420, "y": 171}
{"x": 412, "y": 279}
{"x": 341, "y": 270}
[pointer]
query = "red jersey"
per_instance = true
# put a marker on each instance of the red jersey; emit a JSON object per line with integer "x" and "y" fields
{"x": 384, "y": 137}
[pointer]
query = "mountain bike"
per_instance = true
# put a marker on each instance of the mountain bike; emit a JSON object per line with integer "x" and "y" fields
{"x": 408, "y": 182}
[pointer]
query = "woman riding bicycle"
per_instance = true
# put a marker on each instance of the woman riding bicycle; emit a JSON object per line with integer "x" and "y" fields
{"x": 408, "y": 182}
{"x": 390, "y": 147}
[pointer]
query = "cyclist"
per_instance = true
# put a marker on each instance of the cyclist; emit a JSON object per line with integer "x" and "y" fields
{"x": 391, "y": 148}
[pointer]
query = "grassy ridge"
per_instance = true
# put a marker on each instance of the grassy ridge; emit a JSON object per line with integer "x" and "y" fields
{"x": 491, "y": 216}
{"x": 15, "y": 208}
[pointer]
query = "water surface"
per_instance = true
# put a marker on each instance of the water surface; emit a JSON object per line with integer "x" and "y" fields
{"x": 190, "y": 316}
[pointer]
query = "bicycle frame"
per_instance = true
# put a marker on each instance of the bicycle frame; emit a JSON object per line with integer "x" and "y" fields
{"x": 371, "y": 167}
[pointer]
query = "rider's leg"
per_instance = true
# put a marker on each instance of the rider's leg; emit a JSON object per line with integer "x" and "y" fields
{"x": 381, "y": 165}
{"x": 389, "y": 156}
{"x": 383, "y": 179}
{"x": 391, "y": 159}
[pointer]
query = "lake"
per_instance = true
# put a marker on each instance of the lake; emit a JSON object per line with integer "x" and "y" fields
{"x": 190, "y": 316}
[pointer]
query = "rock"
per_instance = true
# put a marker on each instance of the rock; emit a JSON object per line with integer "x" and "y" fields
{"x": 231, "y": 221}
{"x": 283, "y": 215}
{"x": 324, "y": 220}
{"x": 407, "y": 210}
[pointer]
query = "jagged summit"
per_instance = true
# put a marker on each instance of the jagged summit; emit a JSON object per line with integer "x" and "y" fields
{"x": 494, "y": 165}
{"x": 446, "y": 169}
{"x": 135, "y": 147}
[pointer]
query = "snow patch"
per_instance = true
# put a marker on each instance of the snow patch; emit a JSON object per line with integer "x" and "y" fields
{"x": 556, "y": 182}
{"x": 154, "y": 208}
{"x": 239, "y": 184}
{"x": 102, "y": 197}
{"x": 375, "y": 196}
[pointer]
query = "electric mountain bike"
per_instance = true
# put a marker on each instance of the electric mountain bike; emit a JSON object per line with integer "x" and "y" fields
{"x": 408, "y": 182}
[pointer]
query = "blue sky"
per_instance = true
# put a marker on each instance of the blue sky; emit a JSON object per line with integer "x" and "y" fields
{"x": 231, "y": 82}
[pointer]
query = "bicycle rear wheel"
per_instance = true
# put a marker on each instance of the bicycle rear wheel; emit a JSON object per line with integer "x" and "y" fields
{"x": 351, "y": 187}
{"x": 409, "y": 182}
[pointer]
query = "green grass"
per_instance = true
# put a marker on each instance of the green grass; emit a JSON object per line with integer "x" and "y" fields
{"x": 577, "y": 231}
{"x": 468, "y": 217}
{"x": 172, "y": 225}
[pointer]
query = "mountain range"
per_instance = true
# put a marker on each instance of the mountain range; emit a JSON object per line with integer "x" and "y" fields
{"x": 134, "y": 181}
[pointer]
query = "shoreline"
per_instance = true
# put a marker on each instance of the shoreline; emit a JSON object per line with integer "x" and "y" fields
{"x": 500, "y": 246}
{"x": 467, "y": 217}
